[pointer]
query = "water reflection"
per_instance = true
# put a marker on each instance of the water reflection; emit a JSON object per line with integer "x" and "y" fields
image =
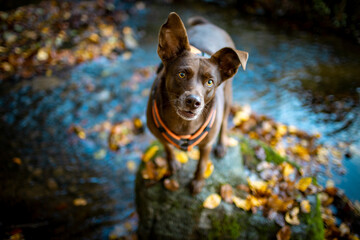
{"x": 72, "y": 188}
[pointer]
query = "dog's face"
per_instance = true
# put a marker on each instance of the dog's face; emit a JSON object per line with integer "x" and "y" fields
{"x": 191, "y": 81}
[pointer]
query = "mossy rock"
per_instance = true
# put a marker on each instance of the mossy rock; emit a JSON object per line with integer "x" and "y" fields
{"x": 179, "y": 215}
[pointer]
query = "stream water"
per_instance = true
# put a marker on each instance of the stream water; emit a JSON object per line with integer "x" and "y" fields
{"x": 69, "y": 188}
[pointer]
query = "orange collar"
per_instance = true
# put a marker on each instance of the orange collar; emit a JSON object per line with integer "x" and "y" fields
{"x": 183, "y": 142}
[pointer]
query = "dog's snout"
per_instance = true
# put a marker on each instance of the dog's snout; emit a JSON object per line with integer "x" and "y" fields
{"x": 193, "y": 101}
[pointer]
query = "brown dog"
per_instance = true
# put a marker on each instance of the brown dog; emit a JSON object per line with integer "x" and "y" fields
{"x": 191, "y": 96}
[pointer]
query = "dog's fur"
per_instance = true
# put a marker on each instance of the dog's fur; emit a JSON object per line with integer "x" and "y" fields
{"x": 184, "y": 103}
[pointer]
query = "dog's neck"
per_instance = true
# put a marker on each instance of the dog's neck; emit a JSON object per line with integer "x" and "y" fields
{"x": 169, "y": 115}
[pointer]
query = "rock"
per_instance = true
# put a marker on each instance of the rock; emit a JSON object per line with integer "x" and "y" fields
{"x": 164, "y": 214}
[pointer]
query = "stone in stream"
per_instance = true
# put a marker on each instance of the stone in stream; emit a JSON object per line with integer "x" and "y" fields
{"x": 164, "y": 214}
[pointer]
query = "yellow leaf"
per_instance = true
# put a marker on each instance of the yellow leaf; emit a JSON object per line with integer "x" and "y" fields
{"x": 160, "y": 173}
{"x": 212, "y": 201}
{"x": 209, "y": 169}
{"x": 258, "y": 186}
{"x": 281, "y": 130}
{"x": 80, "y": 202}
{"x": 255, "y": 201}
{"x": 181, "y": 157}
{"x": 301, "y": 151}
{"x": 42, "y": 55}
{"x": 194, "y": 154}
{"x": 232, "y": 142}
{"x": 305, "y": 206}
{"x": 94, "y": 38}
{"x": 304, "y": 183}
{"x": 131, "y": 166}
{"x": 242, "y": 115}
{"x": 287, "y": 169}
{"x": 241, "y": 203}
{"x": 150, "y": 153}
{"x": 291, "y": 217}
{"x": 100, "y": 154}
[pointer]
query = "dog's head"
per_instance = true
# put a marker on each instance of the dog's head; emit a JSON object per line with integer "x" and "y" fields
{"x": 191, "y": 81}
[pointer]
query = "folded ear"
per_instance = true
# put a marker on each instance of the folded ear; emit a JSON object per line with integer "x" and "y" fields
{"x": 173, "y": 39}
{"x": 229, "y": 60}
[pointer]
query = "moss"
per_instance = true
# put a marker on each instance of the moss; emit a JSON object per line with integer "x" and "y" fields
{"x": 314, "y": 220}
{"x": 227, "y": 227}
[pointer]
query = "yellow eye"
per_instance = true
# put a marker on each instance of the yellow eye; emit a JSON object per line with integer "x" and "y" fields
{"x": 181, "y": 75}
{"x": 209, "y": 83}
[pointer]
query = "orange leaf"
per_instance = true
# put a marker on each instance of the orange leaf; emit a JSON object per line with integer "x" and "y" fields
{"x": 171, "y": 184}
{"x": 212, "y": 201}
{"x": 284, "y": 233}
{"x": 17, "y": 160}
{"x": 226, "y": 193}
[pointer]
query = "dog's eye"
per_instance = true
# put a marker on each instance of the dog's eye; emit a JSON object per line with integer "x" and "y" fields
{"x": 210, "y": 83}
{"x": 181, "y": 75}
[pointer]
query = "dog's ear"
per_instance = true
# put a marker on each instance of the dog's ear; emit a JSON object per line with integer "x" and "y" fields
{"x": 173, "y": 39}
{"x": 229, "y": 60}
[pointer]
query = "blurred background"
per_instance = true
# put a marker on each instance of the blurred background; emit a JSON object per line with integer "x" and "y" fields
{"x": 75, "y": 78}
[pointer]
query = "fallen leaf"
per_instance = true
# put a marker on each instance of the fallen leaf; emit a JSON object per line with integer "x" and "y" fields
{"x": 80, "y": 202}
{"x": 161, "y": 162}
{"x": 231, "y": 142}
{"x": 256, "y": 201}
{"x": 243, "y": 187}
{"x": 226, "y": 193}
{"x": 291, "y": 217}
{"x": 212, "y": 201}
{"x": 258, "y": 187}
{"x": 131, "y": 166}
{"x": 194, "y": 154}
{"x": 171, "y": 184}
{"x": 305, "y": 206}
{"x": 209, "y": 169}
{"x": 344, "y": 229}
{"x": 181, "y": 157}
{"x": 278, "y": 204}
{"x": 100, "y": 154}
{"x": 149, "y": 171}
{"x": 150, "y": 153}
{"x": 241, "y": 203}
{"x": 284, "y": 233}
{"x": 287, "y": 169}
{"x": 17, "y": 160}
{"x": 304, "y": 183}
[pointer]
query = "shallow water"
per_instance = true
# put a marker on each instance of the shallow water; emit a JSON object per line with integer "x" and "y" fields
{"x": 297, "y": 78}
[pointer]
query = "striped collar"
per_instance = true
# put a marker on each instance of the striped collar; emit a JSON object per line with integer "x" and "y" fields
{"x": 183, "y": 142}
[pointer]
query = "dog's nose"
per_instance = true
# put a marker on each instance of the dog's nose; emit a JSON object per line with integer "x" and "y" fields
{"x": 193, "y": 101}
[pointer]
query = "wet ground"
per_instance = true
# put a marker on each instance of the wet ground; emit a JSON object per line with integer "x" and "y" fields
{"x": 53, "y": 184}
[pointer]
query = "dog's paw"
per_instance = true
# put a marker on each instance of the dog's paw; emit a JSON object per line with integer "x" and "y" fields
{"x": 196, "y": 186}
{"x": 220, "y": 150}
{"x": 174, "y": 166}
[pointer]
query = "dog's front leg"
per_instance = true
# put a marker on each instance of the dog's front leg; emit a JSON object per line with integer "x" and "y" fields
{"x": 199, "y": 181}
{"x": 170, "y": 157}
